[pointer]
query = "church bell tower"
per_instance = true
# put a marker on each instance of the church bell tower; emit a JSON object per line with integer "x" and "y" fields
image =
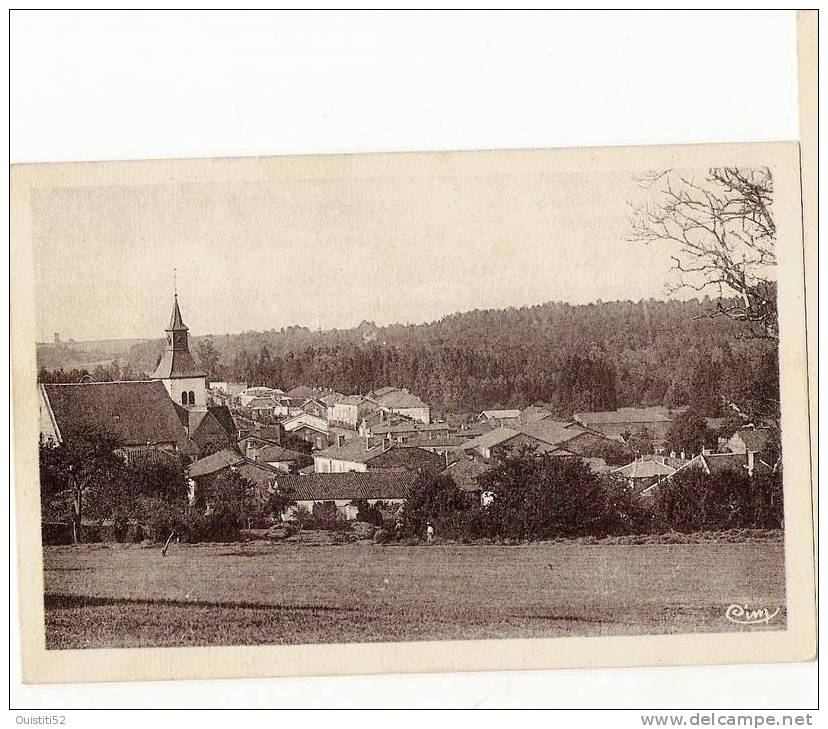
{"x": 184, "y": 380}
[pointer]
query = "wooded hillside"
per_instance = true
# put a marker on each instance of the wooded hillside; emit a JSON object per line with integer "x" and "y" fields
{"x": 588, "y": 357}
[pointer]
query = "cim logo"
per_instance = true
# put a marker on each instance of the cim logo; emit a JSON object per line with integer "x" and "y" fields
{"x": 743, "y": 615}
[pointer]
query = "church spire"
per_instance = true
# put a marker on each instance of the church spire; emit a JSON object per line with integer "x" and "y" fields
{"x": 176, "y": 322}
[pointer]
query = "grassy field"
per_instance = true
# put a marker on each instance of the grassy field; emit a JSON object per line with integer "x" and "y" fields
{"x": 257, "y": 593}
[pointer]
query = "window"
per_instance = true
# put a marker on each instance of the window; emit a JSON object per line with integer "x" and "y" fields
{"x": 184, "y": 398}
{"x": 192, "y": 398}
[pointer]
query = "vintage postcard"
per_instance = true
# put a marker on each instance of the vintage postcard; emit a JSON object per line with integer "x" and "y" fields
{"x": 411, "y": 412}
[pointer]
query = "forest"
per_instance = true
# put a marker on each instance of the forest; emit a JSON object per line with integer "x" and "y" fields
{"x": 596, "y": 356}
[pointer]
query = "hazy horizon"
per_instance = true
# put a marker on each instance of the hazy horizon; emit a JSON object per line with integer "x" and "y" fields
{"x": 331, "y": 247}
{"x": 160, "y": 335}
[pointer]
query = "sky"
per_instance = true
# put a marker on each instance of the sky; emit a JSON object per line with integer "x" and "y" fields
{"x": 329, "y": 249}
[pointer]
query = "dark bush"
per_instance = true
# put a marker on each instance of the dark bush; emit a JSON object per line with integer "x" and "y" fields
{"x": 694, "y": 501}
{"x": 219, "y": 525}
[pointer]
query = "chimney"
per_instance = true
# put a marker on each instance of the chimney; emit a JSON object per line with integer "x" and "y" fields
{"x": 367, "y": 444}
{"x": 682, "y": 455}
{"x": 750, "y": 463}
{"x": 672, "y": 454}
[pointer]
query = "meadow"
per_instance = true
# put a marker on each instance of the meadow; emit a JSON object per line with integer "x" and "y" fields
{"x": 100, "y": 596}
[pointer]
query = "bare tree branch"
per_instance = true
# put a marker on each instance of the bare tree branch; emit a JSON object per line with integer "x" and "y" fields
{"x": 721, "y": 228}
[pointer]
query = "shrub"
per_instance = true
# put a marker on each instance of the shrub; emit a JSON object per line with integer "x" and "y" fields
{"x": 158, "y": 518}
{"x": 694, "y": 501}
{"x": 219, "y": 525}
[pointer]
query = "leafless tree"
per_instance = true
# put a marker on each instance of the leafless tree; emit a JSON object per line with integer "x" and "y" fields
{"x": 721, "y": 227}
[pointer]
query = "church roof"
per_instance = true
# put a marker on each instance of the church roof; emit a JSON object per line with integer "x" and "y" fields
{"x": 136, "y": 412}
{"x": 176, "y": 322}
{"x": 177, "y": 363}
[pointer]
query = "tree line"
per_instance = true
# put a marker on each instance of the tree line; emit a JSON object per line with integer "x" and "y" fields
{"x": 571, "y": 357}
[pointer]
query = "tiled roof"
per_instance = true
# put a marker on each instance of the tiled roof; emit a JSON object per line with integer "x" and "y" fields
{"x": 399, "y": 399}
{"x": 353, "y": 450}
{"x": 276, "y": 453}
{"x": 256, "y": 442}
{"x": 331, "y": 398}
{"x": 440, "y": 440}
{"x": 136, "y": 412}
{"x": 383, "y": 391}
{"x": 491, "y": 439}
{"x": 756, "y": 440}
{"x": 533, "y": 414}
{"x": 411, "y": 426}
{"x": 627, "y": 415}
{"x": 258, "y": 473}
{"x": 644, "y": 469}
{"x": 303, "y": 392}
{"x": 355, "y": 400}
{"x": 552, "y": 432}
{"x": 718, "y": 462}
{"x": 500, "y": 414}
{"x": 261, "y": 402}
{"x": 341, "y": 486}
{"x": 225, "y": 418}
{"x": 215, "y": 462}
{"x": 465, "y": 472}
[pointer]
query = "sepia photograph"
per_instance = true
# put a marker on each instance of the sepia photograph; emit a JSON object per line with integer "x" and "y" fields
{"x": 403, "y": 399}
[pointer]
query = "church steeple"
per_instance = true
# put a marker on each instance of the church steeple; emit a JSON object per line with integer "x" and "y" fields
{"x": 183, "y": 378}
{"x": 176, "y": 322}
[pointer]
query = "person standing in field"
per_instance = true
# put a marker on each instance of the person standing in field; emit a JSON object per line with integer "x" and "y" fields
{"x": 430, "y": 533}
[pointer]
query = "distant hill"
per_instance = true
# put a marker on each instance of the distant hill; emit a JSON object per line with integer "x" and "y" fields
{"x": 84, "y": 354}
{"x": 584, "y": 357}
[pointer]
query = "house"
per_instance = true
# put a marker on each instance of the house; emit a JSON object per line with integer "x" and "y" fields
{"x": 303, "y": 392}
{"x": 207, "y": 428}
{"x": 381, "y": 417}
{"x": 343, "y": 489}
{"x": 330, "y": 399}
{"x": 313, "y": 429}
{"x": 407, "y": 430}
{"x": 183, "y": 379}
{"x": 248, "y": 445}
{"x": 225, "y": 417}
{"x": 402, "y": 402}
{"x": 547, "y": 436}
{"x": 351, "y": 410}
{"x": 203, "y": 473}
{"x": 268, "y": 407}
{"x": 346, "y": 455}
{"x": 484, "y": 444}
{"x": 415, "y": 460}
{"x": 465, "y": 473}
{"x": 230, "y": 389}
{"x": 573, "y": 437}
{"x": 317, "y": 437}
{"x": 450, "y": 445}
{"x": 277, "y": 456}
{"x": 751, "y": 440}
{"x": 315, "y": 406}
{"x": 716, "y": 463}
{"x": 645, "y": 471}
{"x": 616, "y": 424}
{"x": 500, "y": 417}
{"x": 139, "y": 413}
{"x": 252, "y": 394}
